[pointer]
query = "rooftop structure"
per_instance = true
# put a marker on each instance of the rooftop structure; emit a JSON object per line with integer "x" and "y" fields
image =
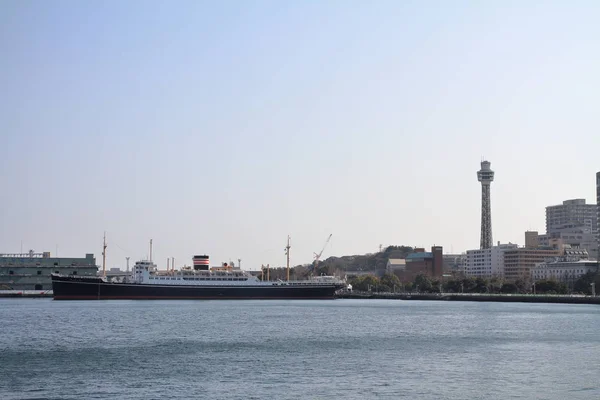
{"x": 571, "y": 235}
{"x": 532, "y": 239}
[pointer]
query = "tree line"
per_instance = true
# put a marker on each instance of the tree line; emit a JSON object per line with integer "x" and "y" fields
{"x": 424, "y": 284}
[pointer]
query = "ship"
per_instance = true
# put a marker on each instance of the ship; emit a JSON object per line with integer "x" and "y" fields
{"x": 199, "y": 282}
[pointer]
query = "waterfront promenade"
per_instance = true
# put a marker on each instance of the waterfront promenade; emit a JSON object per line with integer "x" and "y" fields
{"x": 25, "y": 293}
{"x": 478, "y": 297}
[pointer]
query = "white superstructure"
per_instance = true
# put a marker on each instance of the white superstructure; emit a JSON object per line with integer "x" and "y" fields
{"x": 145, "y": 272}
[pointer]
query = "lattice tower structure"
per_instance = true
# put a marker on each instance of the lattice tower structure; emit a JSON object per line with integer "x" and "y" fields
{"x": 486, "y": 176}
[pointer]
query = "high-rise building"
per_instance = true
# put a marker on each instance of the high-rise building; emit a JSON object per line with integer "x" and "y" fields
{"x": 575, "y": 223}
{"x": 570, "y": 214}
{"x": 486, "y": 176}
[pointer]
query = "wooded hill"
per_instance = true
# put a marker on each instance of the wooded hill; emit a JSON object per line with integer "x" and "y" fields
{"x": 366, "y": 262}
{"x": 340, "y": 265}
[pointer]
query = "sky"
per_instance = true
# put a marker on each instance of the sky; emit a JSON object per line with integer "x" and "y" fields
{"x": 222, "y": 127}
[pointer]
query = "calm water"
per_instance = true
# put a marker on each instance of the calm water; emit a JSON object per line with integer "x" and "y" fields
{"x": 350, "y": 349}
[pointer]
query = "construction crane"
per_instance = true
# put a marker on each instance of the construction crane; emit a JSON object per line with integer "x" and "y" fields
{"x": 318, "y": 256}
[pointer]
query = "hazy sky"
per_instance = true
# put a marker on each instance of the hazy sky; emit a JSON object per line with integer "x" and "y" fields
{"x": 221, "y": 127}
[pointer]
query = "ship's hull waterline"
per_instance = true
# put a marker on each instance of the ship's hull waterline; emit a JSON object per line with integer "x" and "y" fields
{"x": 71, "y": 288}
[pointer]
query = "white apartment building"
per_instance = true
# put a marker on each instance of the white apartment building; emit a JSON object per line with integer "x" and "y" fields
{"x": 572, "y": 212}
{"x": 487, "y": 263}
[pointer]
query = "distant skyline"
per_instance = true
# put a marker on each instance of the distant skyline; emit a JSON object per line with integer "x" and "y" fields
{"x": 223, "y": 127}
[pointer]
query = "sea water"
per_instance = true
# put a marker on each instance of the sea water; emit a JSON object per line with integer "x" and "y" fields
{"x": 296, "y": 349}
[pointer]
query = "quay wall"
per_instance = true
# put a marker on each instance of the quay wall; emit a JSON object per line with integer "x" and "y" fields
{"x": 505, "y": 298}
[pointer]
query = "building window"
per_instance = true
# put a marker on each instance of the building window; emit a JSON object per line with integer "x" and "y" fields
{"x": 74, "y": 272}
{"x": 11, "y": 272}
{"x": 39, "y": 272}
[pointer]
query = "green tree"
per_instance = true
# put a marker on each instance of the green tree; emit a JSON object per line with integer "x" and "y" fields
{"x": 422, "y": 283}
{"x": 364, "y": 282}
{"x": 469, "y": 285}
{"x": 495, "y": 284}
{"x": 391, "y": 281}
{"x": 383, "y": 288}
{"x": 481, "y": 286}
{"x": 370, "y": 282}
{"x": 584, "y": 284}
{"x": 522, "y": 286}
{"x": 550, "y": 287}
{"x": 509, "y": 287}
{"x": 453, "y": 285}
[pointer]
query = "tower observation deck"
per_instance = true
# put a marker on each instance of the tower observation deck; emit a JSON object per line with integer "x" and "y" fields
{"x": 486, "y": 176}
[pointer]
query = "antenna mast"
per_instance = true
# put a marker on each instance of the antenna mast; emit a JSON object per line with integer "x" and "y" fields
{"x": 287, "y": 253}
{"x": 104, "y": 256}
{"x": 150, "y": 249}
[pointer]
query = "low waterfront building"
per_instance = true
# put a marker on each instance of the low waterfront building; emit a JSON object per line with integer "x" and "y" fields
{"x": 566, "y": 269}
{"x": 31, "y": 271}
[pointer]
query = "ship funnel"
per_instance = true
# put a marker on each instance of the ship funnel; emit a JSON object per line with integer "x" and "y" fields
{"x": 201, "y": 263}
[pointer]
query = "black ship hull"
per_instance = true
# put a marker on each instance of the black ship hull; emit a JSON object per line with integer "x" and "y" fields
{"x": 79, "y": 288}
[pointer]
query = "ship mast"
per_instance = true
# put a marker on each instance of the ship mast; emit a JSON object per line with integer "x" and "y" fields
{"x": 150, "y": 249}
{"x": 104, "y": 256}
{"x": 287, "y": 253}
